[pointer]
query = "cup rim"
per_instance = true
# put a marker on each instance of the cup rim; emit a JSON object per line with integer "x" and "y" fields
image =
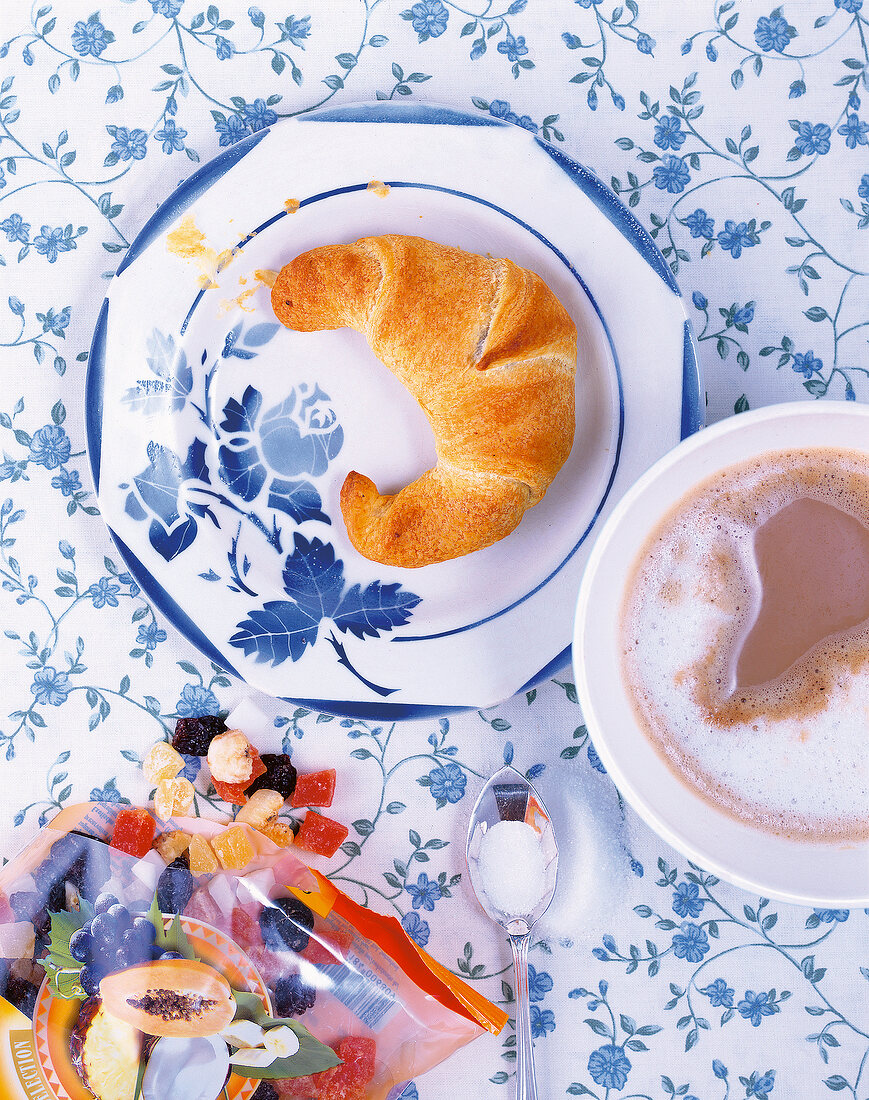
{"x": 707, "y": 439}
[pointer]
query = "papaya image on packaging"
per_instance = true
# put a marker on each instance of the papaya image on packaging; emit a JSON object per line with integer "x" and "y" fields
{"x": 178, "y": 998}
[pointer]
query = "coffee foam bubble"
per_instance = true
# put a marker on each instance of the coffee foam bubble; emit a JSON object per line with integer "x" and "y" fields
{"x": 789, "y": 756}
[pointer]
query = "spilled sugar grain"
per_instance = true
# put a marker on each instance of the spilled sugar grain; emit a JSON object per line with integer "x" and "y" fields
{"x": 593, "y": 862}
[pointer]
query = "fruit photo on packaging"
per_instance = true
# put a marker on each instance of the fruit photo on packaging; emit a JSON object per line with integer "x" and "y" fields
{"x": 157, "y": 1007}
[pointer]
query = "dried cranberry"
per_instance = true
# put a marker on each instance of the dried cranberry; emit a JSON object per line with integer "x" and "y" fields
{"x": 194, "y": 735}
{"x": 293, "y": 997}
{"x": 280, "y": 775}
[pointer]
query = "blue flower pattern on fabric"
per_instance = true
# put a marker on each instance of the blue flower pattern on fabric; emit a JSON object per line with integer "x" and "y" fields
{"x": 196, "y": 701}
{"x": 687, "y": 901}
{"x": 424, "y": 893}
{"x": 430, "y": 19}
{"x": 609, "y": 1066}
{"x": 691, "y": 943}
{"x": 773, "y": 33}
{"x": 51, "y": 687}
{"x": 447, "y": 784}
{"x": 91, "y": 38}
{"x": 719, "y": 993}
{"x": 755, "y": 1006}
{"x": 417, "y": 928}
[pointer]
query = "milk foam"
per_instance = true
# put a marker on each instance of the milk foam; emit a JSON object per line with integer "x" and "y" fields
{"x": 791, "y": 756}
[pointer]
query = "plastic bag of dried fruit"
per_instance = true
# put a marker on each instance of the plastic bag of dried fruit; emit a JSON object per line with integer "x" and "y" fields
{"x": 125, "y": 977}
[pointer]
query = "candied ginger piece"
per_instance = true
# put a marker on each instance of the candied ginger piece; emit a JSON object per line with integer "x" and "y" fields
{"x": 203, "y": 861}
{"x": 230, "y": 757}
{"x": 316, "y": 789}
{"x": 162, "y": 762}
{"x": 233, "y": 848}
{"x": 173, "y": 796}
{"x": 279, "y": 832}
{"x": 321, "y": 834}
{"x": 261, "y": 808}
{"x": 133, "y": 832}
{"x": 171, "y": 845}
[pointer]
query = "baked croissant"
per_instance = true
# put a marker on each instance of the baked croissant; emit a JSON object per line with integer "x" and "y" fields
{"x": 487, "y": 350}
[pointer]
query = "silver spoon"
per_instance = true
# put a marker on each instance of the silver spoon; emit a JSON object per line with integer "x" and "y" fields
{"x": 509, "y": 797}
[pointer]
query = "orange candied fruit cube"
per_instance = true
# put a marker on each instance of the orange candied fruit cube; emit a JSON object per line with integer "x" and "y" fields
{"x": 234, "y": 792}
{"x": 316, "y": 789}
{"x": 133, "y": 832}
{"x": 320, "y": 834}
{"x": 233, "y": 848}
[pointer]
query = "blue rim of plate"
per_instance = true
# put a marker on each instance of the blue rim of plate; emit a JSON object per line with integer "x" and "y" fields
{"x": 692, "y": 412}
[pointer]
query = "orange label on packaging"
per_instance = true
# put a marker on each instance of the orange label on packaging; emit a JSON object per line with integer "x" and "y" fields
{"x": 27, "y": 1066}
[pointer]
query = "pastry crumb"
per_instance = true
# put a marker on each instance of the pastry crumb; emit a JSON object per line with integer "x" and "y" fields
{"x": 292, "y": 205}
{"x": 379, "y": 188}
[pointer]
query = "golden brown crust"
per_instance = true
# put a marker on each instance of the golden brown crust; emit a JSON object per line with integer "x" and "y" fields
{"x": 490, "y": 354}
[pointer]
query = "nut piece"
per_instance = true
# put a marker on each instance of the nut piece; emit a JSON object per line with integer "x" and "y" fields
{"x": 261, "y": 808}
{"x": 162, "y": 762}
{"x": 230, "y": 758}
{"x": 171, "y": 845}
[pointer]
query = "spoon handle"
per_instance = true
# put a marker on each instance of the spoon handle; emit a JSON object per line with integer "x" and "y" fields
{"x": 526, "y": 1081}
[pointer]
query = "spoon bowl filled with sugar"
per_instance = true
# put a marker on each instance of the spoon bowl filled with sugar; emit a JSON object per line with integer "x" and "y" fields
{"x": 513, "y": 862}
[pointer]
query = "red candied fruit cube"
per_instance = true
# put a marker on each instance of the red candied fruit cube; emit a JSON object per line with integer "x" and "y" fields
{"x": 328, "y": 947}
{"x": 316, "y": 789}
{"x": 357, "y": 1052}
{"x": 320, "y": 834}
{"x": 245, "y": 930}
{"x": 234, "y": 792}
{"x": 133, "y": 832}
{"x": 348, "y": 1081}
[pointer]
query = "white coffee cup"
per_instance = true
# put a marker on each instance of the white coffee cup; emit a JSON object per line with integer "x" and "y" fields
{"x": 834, "y": 875}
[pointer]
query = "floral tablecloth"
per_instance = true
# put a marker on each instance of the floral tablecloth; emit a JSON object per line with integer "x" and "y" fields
{"x": 739, "y": 136}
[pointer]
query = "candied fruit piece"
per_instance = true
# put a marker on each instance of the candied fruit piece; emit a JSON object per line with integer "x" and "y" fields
{"x": 269, "y": 966}
{"x": 328, "y": 946}
{"x": 261, "y": 808}
{"x": 172, "y": 845}
{"x": 280, "y": 775}
{"x": 279, "y": 832}
{"x": 245, "y": 930}
{"x": 316, "y": 789}
{"x": 233, "y": 848}
{"x": 298, "y": 1088}
{"x": 320, "y": 834}
{"x": 194, "y": 735}
{"x": 203, "y": 861}
{"x": 173, "y": 796}
{"x": 235, "y": 792}
{"x": 230, "y": 758}
{"x": 348, "y": 1081}
{"x": 162, "y": 762}
{"x": 202, "y": 906}
{"x": 133, "y": 832}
